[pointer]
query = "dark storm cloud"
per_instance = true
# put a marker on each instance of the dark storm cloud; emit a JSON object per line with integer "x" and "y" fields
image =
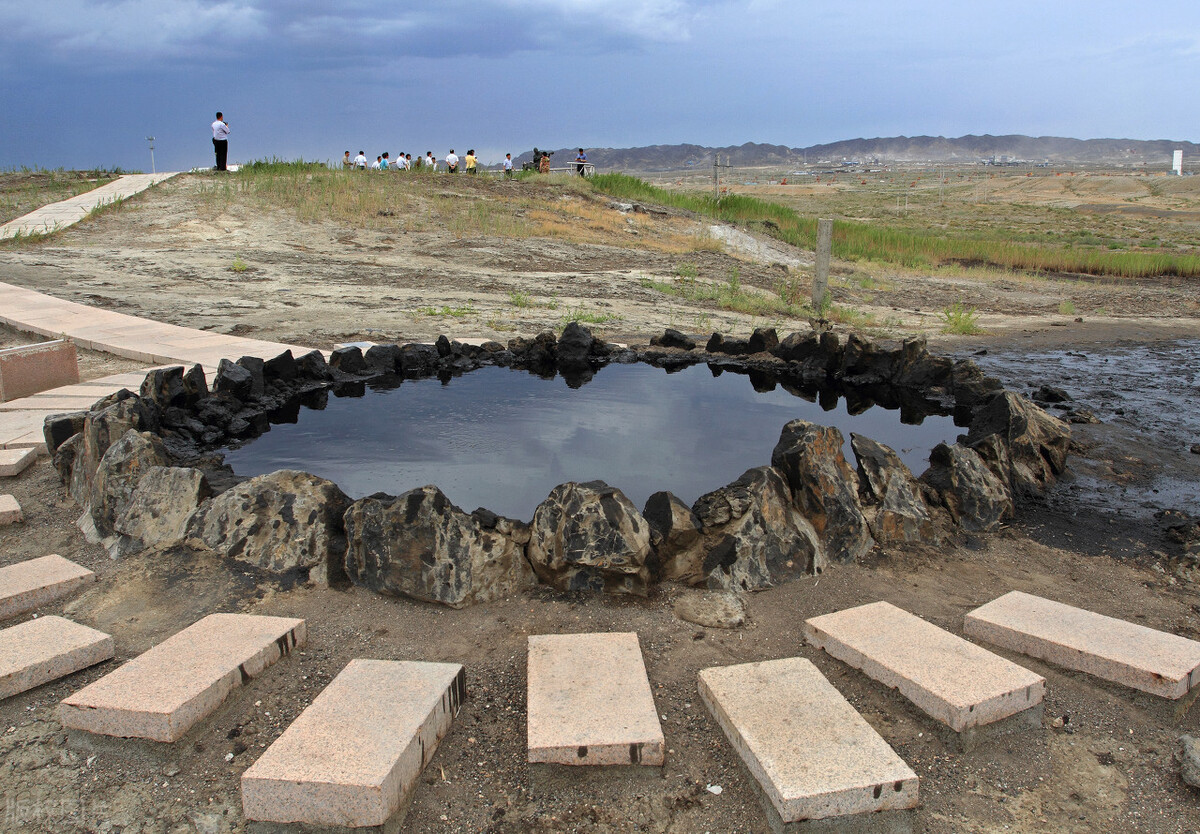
{"x": 127, "y": 34}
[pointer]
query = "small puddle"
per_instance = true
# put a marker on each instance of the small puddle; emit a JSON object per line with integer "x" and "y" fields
{"x": 503, "y": 439}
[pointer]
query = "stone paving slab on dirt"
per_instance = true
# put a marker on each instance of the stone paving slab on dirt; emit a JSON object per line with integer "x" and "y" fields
{"x": 161, "y": 693}
{"x": 10, "y": 511}
{"x": 27, "y": 585}
{"x": 952, "y": 680}
{"x": 15, "y": 461}
{"x": 353, "y": 756}
{"x": 590, "y": 701}
{"x": 1122, "y": 652}
{"x": 811, "y": 753}
{"x": 39, "y": 651}
{"x": 67, "y": 212}
{"x": 124, "y": 335}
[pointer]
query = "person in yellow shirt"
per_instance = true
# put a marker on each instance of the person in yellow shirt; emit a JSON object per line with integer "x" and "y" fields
{"x": 471, "y": 161}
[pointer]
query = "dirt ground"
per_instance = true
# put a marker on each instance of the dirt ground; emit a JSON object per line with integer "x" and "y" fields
{"x": 1104, "y": 760}
{"x": 175, "y": 254}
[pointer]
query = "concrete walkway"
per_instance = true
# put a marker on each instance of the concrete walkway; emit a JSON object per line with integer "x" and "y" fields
{"x": 152, "y": 342}
{"x": 65, "y": 213}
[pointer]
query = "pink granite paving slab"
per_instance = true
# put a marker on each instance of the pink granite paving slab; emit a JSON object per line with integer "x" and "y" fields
{"x": 15, "y": 461}
{"x": 163, "y": 692}
{"x": 953, "y": 681}
{"x": 1122, "y": 652}
{"x": 812, "y": 754}
{"x": 28, "y": 585}
{"x": 10, "y": 511}
{"x": 39, "y": 651}
{"x": 590, "y": 701}
{"x": 352, "y": 758}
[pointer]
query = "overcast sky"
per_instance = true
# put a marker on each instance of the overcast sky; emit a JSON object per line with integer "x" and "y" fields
{"x": 85, "y": 81}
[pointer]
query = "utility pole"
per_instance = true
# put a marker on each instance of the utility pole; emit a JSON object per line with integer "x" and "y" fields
{"x": 150, "y": 139}
{"x": 717, "y": 166}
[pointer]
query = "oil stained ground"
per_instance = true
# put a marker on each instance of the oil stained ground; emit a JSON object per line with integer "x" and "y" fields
{"x": 502, "y": 439}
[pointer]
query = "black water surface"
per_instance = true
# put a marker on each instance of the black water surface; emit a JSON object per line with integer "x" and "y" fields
{"x": 502, "y": 439}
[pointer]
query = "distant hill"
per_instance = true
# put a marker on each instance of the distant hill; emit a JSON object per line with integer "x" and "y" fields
{"x": 964, "y": 149}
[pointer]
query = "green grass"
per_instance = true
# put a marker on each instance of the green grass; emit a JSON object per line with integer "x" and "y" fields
{"x": 1067, "y": 308}
{"x": 960, "y": 320}
{"x": 911, "y": 248}
{"x": 238, "y": 265}
{"x": 583, "y": 316}
{"x": 446, "y": 311}
{"x": 729, "y": 296}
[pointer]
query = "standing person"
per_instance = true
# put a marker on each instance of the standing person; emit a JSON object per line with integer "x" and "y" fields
{"x": 347, "y": 162}
{"x": 508, "y": 168}
{"x": 430, "y": 161}
{"x": 544, "y": 163}
{"x": 471, "y": 162}
{"x": 580, "y": 162}
{"x": 360, "y": 161}
{"x": 408, "y": 163}
{"x": 451, "y": 162}
{"x": 375, "y": 165}
{"x": 220, "y": 129}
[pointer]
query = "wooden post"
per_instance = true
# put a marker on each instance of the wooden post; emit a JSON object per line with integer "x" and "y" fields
{"x": 820, "y": 292}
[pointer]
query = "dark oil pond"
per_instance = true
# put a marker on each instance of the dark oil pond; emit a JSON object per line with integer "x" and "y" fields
{"x": 502, "y": 439}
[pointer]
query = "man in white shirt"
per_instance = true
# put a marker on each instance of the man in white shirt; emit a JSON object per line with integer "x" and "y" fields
{"x": 508, "y": 168}
{"x": 430, "y": 162}
{"x": 220, "y": 129}
{"x": 360, "y": 161}
{"x": 451, "y": 162}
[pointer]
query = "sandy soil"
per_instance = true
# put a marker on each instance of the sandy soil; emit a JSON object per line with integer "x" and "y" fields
{"x": 321, "y": 283}
{"x": 1105, "y": 760}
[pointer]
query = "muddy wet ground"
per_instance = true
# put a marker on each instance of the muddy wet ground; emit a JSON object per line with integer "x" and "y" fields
{"x": 1105, "y": 760}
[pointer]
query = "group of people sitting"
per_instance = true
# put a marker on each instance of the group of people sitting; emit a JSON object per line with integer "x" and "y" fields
{"x": 405, "y": 162}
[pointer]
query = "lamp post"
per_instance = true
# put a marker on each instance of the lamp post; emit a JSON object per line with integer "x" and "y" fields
{"x": 150, "y": 139}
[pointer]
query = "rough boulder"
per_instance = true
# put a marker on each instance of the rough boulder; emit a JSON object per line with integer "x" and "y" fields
{"x": 589, "y": 537}
{"x": 976, "y": 498}
{"x": 753, "y": 537}
{"x": 279, "y": 522}
{"x": 420, "y": 545}
{"x": 895, "y": 510}
{"x": 824, "y": 488}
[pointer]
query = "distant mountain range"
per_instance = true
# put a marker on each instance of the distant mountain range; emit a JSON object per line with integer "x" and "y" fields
{"x": 964, "y": 149}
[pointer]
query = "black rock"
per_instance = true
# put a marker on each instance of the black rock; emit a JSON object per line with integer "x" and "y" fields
{"x": 443, "y": 346}
{"x": 574, "y": 349}
{"x": 57, "y": 429}
{"x": 312, "y": 365}
{"x": 255, "y": 366}
{"x": 383, "y": 358}
{"x": 234, "y": 379}
{"x": 763, "y": 339}
{"x": 195, "y": 385}
{"x": 281, "y": 367}
{"x": 348, "y": 359}
{"x": 418, "y": 360}
{"x": 1050, "y": 394}
{"x": 672, "y": 338}
{"x": 164, "y": 387}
